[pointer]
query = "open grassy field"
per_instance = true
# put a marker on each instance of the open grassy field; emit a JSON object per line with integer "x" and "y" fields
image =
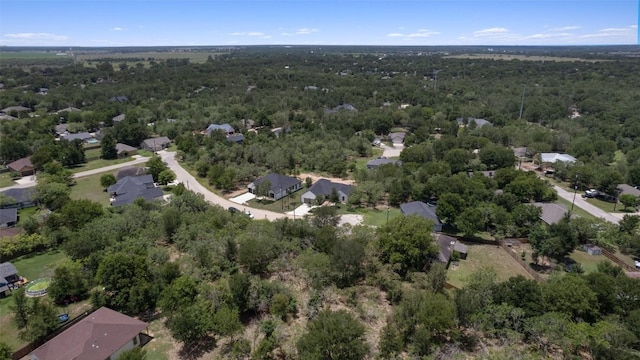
{"x": 194, "y": 57}
{"x": 509, "y": 57}
{"x": 89, "y": 188}
{"x": 483, "y": 257}
{"x": 576, "y": 210}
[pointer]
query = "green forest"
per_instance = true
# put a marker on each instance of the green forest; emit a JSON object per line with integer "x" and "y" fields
{"x": 216, "y": 285}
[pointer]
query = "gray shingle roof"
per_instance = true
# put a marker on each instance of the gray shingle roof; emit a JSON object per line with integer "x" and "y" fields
{"x": 7, "y": 270}
{"x": 628, "y": 189}
{"x": 81, "y": 135}
{"x": 130, "y": 188}
{"x": 277, "y": 181}
{"x": 383, "y": 161}
{"x": 324, "y": 187}
{"x": 20, "y": 194}
{"x": 421, "y": 209}
{"x": 226, "y": 128}
{"x": 8, "y": 216}
{"x": 551, "y": 213}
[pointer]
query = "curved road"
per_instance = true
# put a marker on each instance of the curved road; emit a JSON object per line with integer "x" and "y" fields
{"x": 192, "y": 184}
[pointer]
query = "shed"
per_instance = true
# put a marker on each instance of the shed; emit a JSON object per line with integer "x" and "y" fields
{"x": 592, "y": 249}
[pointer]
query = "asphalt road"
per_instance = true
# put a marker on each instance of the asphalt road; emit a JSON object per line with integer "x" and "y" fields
{"x": 26, "y": 184}
{"x": 584, "y": 205}
{"x": 183, "y": 176}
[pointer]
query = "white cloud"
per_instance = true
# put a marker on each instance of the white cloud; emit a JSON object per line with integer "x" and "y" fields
{"x": 118, "y": 29}
{"x": 252, "y": 34}
{"x": 490, "y": 32}
{"x": 634, "y": 26}
{"x": 302, "y": 31}
{"x": 420, "y": 33}
{"x": 423, "y": 33}
{"x": 37, "y": 36}
{"x": 565, "y": 28}
{"x": 614, "y": 33}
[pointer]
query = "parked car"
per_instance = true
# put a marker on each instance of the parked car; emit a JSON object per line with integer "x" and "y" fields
{"x": 591, "y": 193}
{"x": 233, "y": 210}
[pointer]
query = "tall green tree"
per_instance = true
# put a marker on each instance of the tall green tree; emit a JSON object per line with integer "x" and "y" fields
{"x": 155, "y": 166}
{"x": 108, "y": 147}
{"x": 406, "y": 243}
{"x": 332, "y": 336}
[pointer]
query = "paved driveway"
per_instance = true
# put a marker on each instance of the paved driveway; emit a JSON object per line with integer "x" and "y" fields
{"x": 243, "y": 198}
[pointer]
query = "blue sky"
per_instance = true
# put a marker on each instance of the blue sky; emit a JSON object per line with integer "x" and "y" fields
{"x": 312, "y": 22}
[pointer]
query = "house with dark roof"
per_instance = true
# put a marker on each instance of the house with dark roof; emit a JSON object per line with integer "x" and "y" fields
{"x": 23, "y": 197}
{"x": 225, "y": 128}
{"x": 103, "y": 334}
{"x": 156, "y": 144}
{"x": 470, "y": 120}
{"x": 125, "y": 150}
{"x": 8, "y": 277}
{"x": 626, "y": 189}
{"x": 130, "y": 188}
{"x": 83, "y": 136}
{"x": 131, "y": 171}
{"x": 335, "y": 110}
{"x": 281, "y": 185}
{"x": 375, "y": 163}
{"x": 236, "y": 138}
{"x": 22, "y": 166}
{"x": 324, "y": 188}
{"x": 551, "y": 213}
{"x": 120, "y": 98}
{"x": 8, "y": 217}
{"x": 448, "y": 246}
{"x": 7, "y": 117}
{"x": 421, "y": 209}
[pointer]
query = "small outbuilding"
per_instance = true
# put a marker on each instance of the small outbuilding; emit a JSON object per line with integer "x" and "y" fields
{"x": 592, "y": 249}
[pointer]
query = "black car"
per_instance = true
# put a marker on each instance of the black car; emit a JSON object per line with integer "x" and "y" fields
{"x": 234, "y": 210}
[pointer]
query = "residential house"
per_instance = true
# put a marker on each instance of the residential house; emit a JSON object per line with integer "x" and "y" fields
{"x": 375, "y": 163}
{"x": 551, "y": 213}
{"x": 311, "y": 88}
{"x": 8, "y": 277}
{"x": 335, "y": 110}
{"x": 120, "y": 98}
{"x": 103, "y": 334}
{"x": 397, "y": 137}
{"x": 7, "y": 117}
{"x": 83, "y": 136}
{"x": 23, "y": 197}
{"x": 225, "y": 128}
{"x": 8, "y": 217}
{"x": 626, "y": 189}
{"x": 324, "y": 188}
{"x": 550, "y": 158}
{"x": 68, "y": 109}
{"x": 131, "y": 171}
{"x": 130, "y": 188}
{"x": 281, "y": 185}
{"x": 470, "y": 120}
{"x": 521, "y": 152}
{"x": 15, "y": 109}
{"x": 236, "y": 138}
{"x": 125, "y": 151}
{"x": 156, "y": 144}
{"x": 421, "y": 209}
{"x": 43, "y": 91}
{"x": 118, "y": 118}
{"x": 61, "y": 129}
{"x": 248, "y": 123}
{"x": 22, "y": 166}
{"x": 448, "y": 246}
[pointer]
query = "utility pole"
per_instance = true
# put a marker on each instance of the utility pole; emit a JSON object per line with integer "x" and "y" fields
{"x": 575, "y": 191}
{"x": 524, "y": 88}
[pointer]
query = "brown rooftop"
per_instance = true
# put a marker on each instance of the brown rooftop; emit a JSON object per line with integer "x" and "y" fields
{"x": 21, "y": 164}
{"x": 97, "y": 336}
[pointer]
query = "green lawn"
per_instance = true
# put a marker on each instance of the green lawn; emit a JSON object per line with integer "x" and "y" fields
{"x": 485, "y": 256}
{"x": 589, "y": 263}
{"x": 5, "y": 179}
{"x": 93, "y": 152}
{"x": 576, "y": 210}
{"x": 96, "y": 164}
{"x": 285, "y": 204}
{"x": 606, "y": 206}
{"x": 89, "y": 188}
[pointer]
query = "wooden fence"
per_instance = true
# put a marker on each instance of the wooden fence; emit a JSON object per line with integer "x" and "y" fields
{"x": 518, "y": 259}
{"x": 609, "y": 255}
